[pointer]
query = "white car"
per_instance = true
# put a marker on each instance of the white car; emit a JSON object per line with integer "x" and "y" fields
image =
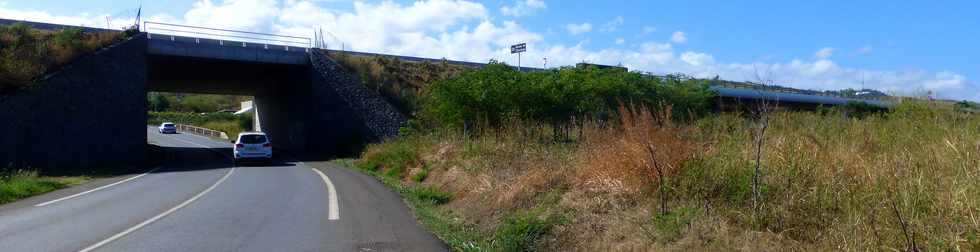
{"x": 253, "y": 146}
{"x": 167, "y": 128}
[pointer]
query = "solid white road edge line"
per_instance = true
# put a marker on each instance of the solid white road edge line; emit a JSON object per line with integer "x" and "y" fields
{"x": 334, "y": 210}
{"x": 159, "y": 216}
{"x": 96, "y": 189}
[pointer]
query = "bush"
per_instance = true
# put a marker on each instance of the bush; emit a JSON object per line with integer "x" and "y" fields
{"x": 497, "y": 93}
{"x": 520, "y": 231}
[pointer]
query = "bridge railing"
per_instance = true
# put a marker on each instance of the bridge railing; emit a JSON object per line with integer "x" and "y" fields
{"x": 201, "y": 131}
{"x": 197, "y": 34}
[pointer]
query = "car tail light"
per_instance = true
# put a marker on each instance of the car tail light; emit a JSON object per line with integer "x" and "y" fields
{"x": 267, "y": 145}
{"x": 240, "y": 145}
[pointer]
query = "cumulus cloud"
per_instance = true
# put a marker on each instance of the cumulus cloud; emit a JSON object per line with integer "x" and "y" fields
{"x": 576, "y": 29}
{"x": 522, "y": 8}
{"x": 678, "y": 37}
{"x": 824, "y": 53}
{"x": 463, "y": 30}
{"x": 82, "y": 19}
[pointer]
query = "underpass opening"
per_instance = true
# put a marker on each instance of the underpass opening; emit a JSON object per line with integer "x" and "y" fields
{"x": 282, "y": 92}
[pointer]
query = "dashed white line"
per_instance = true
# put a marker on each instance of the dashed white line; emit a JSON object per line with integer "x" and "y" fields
{"x": 159, "y": 216}
{"x": 96, "y": 189}
{"x": 333, "y": 213}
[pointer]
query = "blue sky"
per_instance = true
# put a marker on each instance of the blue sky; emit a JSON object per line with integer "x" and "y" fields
{"x": 905, "y": 47}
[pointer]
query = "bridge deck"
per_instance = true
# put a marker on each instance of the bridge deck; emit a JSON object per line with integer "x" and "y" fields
{"x": 225, "y": 50}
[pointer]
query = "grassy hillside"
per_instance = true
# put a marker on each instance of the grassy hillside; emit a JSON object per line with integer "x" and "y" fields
{"x": 27, "y": 53}
{"x": 399, "y": 82}
{"x": 592, "y": 160}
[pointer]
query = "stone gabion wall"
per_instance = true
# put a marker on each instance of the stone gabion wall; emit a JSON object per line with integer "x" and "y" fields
{"x": 89, "y": 113}
{"x": 353, "y": 113}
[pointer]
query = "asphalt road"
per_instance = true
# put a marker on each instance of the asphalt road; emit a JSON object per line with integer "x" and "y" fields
{"x": 198, "y": 201}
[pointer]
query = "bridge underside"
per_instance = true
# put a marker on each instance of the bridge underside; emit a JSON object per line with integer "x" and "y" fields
{"x": 282, "y": 92}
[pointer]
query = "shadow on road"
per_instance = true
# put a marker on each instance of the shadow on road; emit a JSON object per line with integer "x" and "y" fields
{"x": 181, "y": 159}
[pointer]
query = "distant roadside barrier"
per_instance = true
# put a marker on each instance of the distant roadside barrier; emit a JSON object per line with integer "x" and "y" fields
{"x": 201, "y": 131}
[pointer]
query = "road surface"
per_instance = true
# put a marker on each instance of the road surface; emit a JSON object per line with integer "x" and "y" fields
{"x": 198, "y": 201}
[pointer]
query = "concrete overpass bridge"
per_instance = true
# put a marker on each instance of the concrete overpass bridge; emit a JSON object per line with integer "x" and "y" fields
{"x": 305, "y": 101}
{"x": 93, "y": 111}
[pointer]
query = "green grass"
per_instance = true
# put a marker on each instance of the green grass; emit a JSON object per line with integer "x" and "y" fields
{"x": 15, "y": 185}
{"x": 521, "y": 231}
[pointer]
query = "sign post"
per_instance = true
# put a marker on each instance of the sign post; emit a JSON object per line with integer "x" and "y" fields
{"x": 518, "y": 49}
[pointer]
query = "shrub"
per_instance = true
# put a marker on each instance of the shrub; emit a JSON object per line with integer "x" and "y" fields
{"x": 520, "y": 231}
{"x": 498, "y": 93}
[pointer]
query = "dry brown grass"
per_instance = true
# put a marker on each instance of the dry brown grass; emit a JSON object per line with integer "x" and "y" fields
{"x": 828, "y": 182}
{"x": 27, "y": 53}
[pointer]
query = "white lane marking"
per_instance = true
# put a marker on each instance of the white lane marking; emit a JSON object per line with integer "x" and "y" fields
{"x": 159, "y": 216}
{"x": 334, "y": 211}
{"x": 96, "y": 189}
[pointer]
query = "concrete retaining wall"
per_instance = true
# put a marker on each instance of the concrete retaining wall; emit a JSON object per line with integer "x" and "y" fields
{"x": 92, "y": 112}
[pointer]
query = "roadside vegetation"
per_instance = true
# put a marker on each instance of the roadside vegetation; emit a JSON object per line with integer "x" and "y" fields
{"x": 228, "y": 123}
{"x": 206, "y": 111}
{"x": 581, "y": 159}
{"x": 401, "y": 83}
{"x": 18, "y": 184}
{"x": 27, "y": 53}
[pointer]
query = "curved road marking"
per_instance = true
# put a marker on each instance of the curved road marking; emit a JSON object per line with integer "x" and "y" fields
{"x": 159, "y": 216}
{"x": 96, "y": 189}
{"x": 334, "y": 209}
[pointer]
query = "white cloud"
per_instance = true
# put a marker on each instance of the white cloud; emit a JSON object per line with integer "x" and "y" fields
{"x": 463, "y": 30}
{"x": 576, "y": 29}
{"x": 521, "y": 8}
{"x": 613, "y": 25}
{"x": 81, "y": 19}
{"x": 678, "y": 37}
{"x": 697, "y": 59}
{"x": 620, "y": 41}
{"x": 824, "y": 53}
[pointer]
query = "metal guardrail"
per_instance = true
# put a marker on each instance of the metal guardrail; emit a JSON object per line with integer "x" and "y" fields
{"x": 201, "y": 131}
{"x": 790, "y": 90}
{"x": 174, "y": 32}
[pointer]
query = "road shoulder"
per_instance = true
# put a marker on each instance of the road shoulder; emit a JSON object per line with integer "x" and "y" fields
{"x": 368, "y": 202}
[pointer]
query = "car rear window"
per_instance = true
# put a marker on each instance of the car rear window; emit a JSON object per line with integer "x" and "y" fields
{"x": 168, "y": 125}
{"x": 253, "y": 139}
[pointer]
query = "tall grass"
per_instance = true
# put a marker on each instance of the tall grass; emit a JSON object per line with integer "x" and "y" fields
{"x": 27, "y": 53}
{"x": 901, "y": 180}
{"x": 18, "y": 184}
